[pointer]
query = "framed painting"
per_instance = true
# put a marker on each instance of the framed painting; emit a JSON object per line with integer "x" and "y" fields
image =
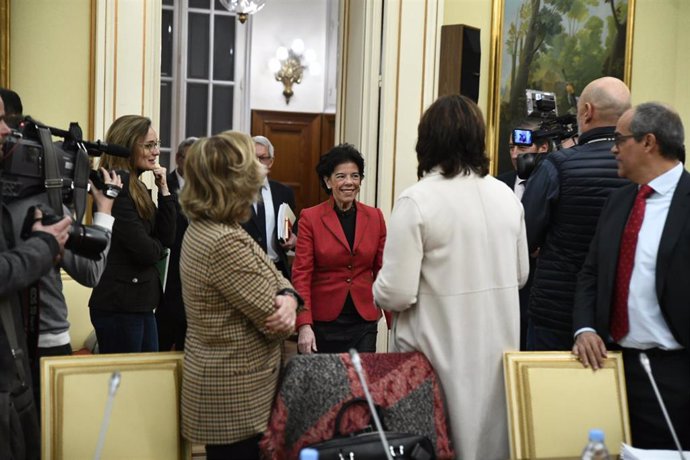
{"x": 556, "y": 46}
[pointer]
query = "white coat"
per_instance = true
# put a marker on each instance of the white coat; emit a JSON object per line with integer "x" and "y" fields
{"x": 455, "y": 257}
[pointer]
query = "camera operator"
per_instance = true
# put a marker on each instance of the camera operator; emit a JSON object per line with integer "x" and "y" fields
{"x": 20, "y": 266}
{"x": 54, "y": 338}
{"x": 53, "y": 327}
{"x": 562, "y": 203}
{"x": 539, "y": 146}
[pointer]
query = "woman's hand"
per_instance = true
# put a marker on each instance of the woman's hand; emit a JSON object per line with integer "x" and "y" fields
{"x": 104, "y": 204}
{"x": 283, "y": 320}
{"x": 306, "y": 341}
{"x": 160, "y": 173}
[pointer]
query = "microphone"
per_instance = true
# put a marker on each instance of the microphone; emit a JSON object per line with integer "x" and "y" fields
{"x": 111, "y": 149}
{"x": 113, "y": 385}
{"x": 644, "y": 360}
{"x": 74, "y": 134}
{"x": 357, "y": 363}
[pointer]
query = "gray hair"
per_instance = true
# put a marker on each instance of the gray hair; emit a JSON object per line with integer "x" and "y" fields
{"x": 266, "y": 143}
{"x": 662, "y": 121}
{"x": 186, "y": 143}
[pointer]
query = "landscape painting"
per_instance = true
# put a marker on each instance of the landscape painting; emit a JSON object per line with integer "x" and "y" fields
{"x": 551, "y": 45}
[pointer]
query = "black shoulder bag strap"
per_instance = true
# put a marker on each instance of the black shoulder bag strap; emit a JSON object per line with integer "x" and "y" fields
{"x": 81, "y": 182}
{"x": 8, "y": 324}
{"x": 53, "y": 178}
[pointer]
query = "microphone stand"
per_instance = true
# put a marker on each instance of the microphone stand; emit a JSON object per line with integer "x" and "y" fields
{"x": 112, "y": 389}
{"x": 357, "y": 363}
{"x": 644, "y": 360}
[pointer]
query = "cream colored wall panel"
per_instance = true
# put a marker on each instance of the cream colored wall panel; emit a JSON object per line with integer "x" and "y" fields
{"x": 682, "y": 98}
{"x": 357, "y": 117}
{"x": 127, "y": 60}
{"x": 409, "y": 78}
{"x": 49, "y": 67}
{"x": 656, "y": 19}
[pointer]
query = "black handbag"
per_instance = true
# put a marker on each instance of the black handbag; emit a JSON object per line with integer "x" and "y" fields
{"x": 367, "y": 445}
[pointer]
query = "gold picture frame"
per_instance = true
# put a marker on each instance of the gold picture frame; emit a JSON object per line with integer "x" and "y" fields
{"x": 550, "y": 51}
{"x": 145, "y": 418}
{"x": 553, "y": 401}
{"x": 4, "y": 43}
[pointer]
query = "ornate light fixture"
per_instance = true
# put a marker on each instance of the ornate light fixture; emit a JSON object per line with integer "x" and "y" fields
{"x": 289, "y": 65}
{"x": 243, "y": 8}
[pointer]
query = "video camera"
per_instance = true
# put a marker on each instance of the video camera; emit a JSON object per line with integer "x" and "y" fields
{"x": 552, "y": 128}
{"x": 32, "y": 164}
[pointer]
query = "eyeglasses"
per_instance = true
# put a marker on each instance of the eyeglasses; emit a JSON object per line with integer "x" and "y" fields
{"x": 265, "y": 159}
{"x": 619, "y": 139}
{"x": 151, "y": 145}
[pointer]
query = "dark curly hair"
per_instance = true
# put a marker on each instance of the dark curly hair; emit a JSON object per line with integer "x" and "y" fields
{"x": 451, "y": 135}
{"x": 343, "y": 153}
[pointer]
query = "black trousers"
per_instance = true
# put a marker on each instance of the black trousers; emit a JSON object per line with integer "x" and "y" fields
{"x": 246, "y": 449}
{"x": 671, "y": 370}
{"x": 62, "y": 350}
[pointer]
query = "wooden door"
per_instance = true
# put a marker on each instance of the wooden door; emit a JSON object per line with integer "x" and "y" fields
{"x": 299, "y": 140}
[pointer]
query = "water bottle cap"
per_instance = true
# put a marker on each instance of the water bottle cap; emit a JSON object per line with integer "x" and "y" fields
{"x": 596, "y": 435}
{"x": 309, "y": 454}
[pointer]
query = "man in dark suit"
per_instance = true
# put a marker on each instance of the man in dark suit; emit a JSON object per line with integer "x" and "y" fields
{"x": 170, "y": 316}
{"x": 633, "y": 292}
{"x": 517, "y": 185}
{"x": 262, "y": 226}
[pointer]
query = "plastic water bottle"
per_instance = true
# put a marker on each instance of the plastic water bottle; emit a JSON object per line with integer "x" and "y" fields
{"x": 308, "y": 454}
{"x": 596, "y": 449}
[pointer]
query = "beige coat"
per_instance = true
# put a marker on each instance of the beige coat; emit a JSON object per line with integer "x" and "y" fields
{"x": 231, "y": 365}
{"x": 455, "y": 257}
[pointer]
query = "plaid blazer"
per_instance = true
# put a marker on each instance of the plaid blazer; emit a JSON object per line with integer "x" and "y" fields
{"x": 231, "y": 363}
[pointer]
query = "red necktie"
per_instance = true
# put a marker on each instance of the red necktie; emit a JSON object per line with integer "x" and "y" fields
{"x": 626, "y": 260}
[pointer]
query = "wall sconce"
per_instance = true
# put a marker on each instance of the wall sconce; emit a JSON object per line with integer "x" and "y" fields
{"x": 243, "y": 8}
{"x": 289, "y": 64}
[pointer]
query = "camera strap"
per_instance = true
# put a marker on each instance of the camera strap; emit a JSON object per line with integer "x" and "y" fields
{"x": 8, "y": 324}
{"x": 53, "y": 179}
{"x": 81, "y": 181}
{"x": 31, "y": 314}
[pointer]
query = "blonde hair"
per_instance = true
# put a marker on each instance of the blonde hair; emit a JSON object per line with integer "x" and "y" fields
{"x": 222, "y": 178}
{"x": 128, "y": 131}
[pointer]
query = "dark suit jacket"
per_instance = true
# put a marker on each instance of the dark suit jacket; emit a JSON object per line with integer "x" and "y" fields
{"x": 508, "y": 178}
{"x": 130, "y": 282}
{"x": 596, "y": 281}
{"x": 325, "y": 269}
{"x": 172, "y": 304}
{"x": 281, "y": 194}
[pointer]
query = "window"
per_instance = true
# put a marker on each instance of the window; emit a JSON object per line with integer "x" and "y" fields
{"x": 203, "y": 65}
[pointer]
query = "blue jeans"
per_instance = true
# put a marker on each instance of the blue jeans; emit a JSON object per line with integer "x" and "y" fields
{"x": 120, "y": 332}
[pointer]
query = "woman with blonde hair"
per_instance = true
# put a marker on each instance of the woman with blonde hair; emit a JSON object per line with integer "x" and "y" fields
{"x": 129, "y": 290}
{"x": 239, "y": 307}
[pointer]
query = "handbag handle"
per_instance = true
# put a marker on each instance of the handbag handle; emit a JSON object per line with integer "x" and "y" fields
{"x": 347, "y": 405}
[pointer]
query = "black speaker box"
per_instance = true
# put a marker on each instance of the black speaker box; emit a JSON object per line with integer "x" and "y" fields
{"x": 460, "y": 60}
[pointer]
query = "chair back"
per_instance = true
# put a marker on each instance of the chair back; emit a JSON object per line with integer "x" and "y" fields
{"x": 145, "y": 420}
{"x": 553, "y": 402}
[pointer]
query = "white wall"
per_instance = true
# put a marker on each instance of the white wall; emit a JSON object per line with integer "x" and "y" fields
{"x": 278, "y": 24}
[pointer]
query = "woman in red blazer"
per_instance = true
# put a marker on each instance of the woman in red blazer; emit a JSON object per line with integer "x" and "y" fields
{"x": 338, "y": 255}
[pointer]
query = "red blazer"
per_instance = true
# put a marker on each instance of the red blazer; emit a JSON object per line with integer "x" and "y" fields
{"x": 324, "y": 269}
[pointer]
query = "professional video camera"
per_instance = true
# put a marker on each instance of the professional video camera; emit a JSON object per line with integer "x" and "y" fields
{"x": 554, "y": 129}
{"x": 31, "y": 164}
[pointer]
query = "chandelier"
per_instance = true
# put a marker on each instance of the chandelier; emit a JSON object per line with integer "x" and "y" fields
{"x": 243, "y": 8}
